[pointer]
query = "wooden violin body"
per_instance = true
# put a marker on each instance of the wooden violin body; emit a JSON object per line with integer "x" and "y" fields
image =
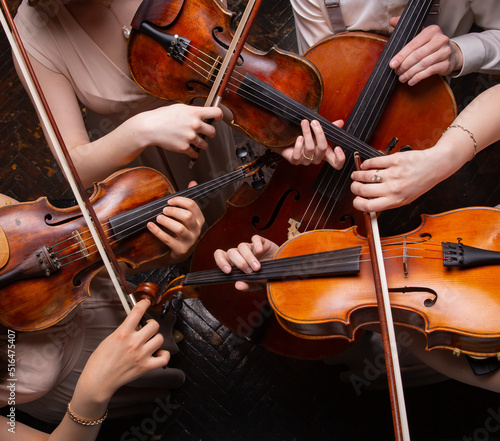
{"x": 175, "y": 51}
{"x": 455, "y": 304}
{"x": 52, "y": 257}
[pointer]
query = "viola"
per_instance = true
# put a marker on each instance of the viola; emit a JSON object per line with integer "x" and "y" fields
{"x": 442, "y": 276}
{"x": 50, "y": 258}
{"x": 175, "y": 51}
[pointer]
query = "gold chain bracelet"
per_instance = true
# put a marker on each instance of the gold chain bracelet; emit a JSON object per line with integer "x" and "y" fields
{"x": 465, "y": 129}
{"x": 85, "y": 421}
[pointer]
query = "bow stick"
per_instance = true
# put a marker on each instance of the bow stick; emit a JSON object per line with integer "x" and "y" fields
{"x": 215, "y": 96}
{"x": 48, "y": 122}
{"x": 395, "y": 382}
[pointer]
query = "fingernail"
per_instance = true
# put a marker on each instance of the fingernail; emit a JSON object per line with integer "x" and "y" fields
{"x": 226, "y": 269}
{"x": 255, "y": 265}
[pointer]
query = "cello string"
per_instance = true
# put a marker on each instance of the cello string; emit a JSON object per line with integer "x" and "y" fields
{"x": 395, "y": 41}
{"x": 329, "y": 129}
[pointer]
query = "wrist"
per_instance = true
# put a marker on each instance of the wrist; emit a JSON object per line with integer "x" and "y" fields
{"x": 141, "y": 133}
{"x": 456, "y": 60}
{"x": 85, "y": 421}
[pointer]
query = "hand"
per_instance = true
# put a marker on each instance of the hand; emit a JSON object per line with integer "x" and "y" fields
{"x": 312, "y": 147}
{"x": 123, "y": 356}
{"x": 403, "y": 178}
{"x": 182, "y": 222}
{"x": 246, "y": 257}
{"x": 429, "y": 53}
{"x": 178, "y": 127}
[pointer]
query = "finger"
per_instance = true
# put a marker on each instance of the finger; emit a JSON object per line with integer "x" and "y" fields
{"x": 199, "y": 142}
{"x": 222, "y": 262}
{"x": 242, "y": 286}
{"x": 309, "y": 147}
{"x": 368, "y": 191}
{"x": 136, "y": 314}
{"x": 379, "y": 162}
{"x": 149, "y": 330}
{"x": 214, "y": 113}
{"x": 152, "y": 344}
{"x": 394, "y": 21}
{"x": 335, "y": 157}
{"x": 236, "y": 257}
{"x": 369, "y": 176}
{"x": 375, "y": 205}
{"x": 294, "y": 156}
{"x": 321, "y": 142}
{"x": 419, "y": 41}
{"x": 258, "y": 244}
{"x": 421, "y": 71}
{"x": 160, "y": 359}
{"x": 247, "y": 252}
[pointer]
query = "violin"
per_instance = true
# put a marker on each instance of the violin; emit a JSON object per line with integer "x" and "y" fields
{"x": 175, "y": 52}
{"x": 442, "y": 277}
{"x": 48, "y": 257}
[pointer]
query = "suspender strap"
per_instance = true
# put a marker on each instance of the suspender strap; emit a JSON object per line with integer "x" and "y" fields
{"x": 433, "y": 15}
{"x": 335, "y": 14}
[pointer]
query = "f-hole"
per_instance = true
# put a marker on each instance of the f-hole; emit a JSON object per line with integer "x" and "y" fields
{"x": 215, "y": 32}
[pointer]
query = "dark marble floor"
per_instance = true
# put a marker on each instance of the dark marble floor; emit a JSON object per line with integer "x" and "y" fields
{"x": 238, "y": 390}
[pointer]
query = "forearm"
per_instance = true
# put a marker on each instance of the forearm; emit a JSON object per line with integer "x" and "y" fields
{"x": 81, "y": 405}
{"x": 88, "y": 402}
{"x": 98, "y": 159}
{"x": 457, "y": 146}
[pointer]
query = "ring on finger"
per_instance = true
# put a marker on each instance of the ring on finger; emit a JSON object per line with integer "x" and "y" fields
{"x": 309, "y": 158}
{"x": 376, "y": 177}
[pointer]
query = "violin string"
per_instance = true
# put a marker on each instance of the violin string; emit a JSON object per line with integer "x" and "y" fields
{"x": 296, "y": 113}
{"x": 328, "y": 177}
{"x": 321, "y": 263}
{"x": 365, "y": 250}
{"x": 150, "y": 211}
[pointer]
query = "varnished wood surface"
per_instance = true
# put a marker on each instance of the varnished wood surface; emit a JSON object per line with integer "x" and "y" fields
{"x": 236, "y": 390}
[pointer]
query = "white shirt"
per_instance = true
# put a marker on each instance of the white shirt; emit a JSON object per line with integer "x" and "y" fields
{"x": 481, "y": 51}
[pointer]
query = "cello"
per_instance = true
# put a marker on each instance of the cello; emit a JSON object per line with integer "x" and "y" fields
{"x": 299, "y": 199}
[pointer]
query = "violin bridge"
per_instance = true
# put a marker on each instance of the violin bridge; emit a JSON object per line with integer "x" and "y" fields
{"x": 294, "y": 228}
{"x": 81, "y": 244}
{"x": 405, "y": 258}
{"x": 214, "y": 67}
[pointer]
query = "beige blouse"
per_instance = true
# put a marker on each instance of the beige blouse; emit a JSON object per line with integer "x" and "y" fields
{"x": 56, "y": 40}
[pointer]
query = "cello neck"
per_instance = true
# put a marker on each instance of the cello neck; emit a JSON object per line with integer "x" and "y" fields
{"x": 377, "y": 91}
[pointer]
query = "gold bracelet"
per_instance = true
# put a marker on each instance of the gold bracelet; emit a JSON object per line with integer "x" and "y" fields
{"x": 465, "y": 129}
{"x": 85, "y": 421}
